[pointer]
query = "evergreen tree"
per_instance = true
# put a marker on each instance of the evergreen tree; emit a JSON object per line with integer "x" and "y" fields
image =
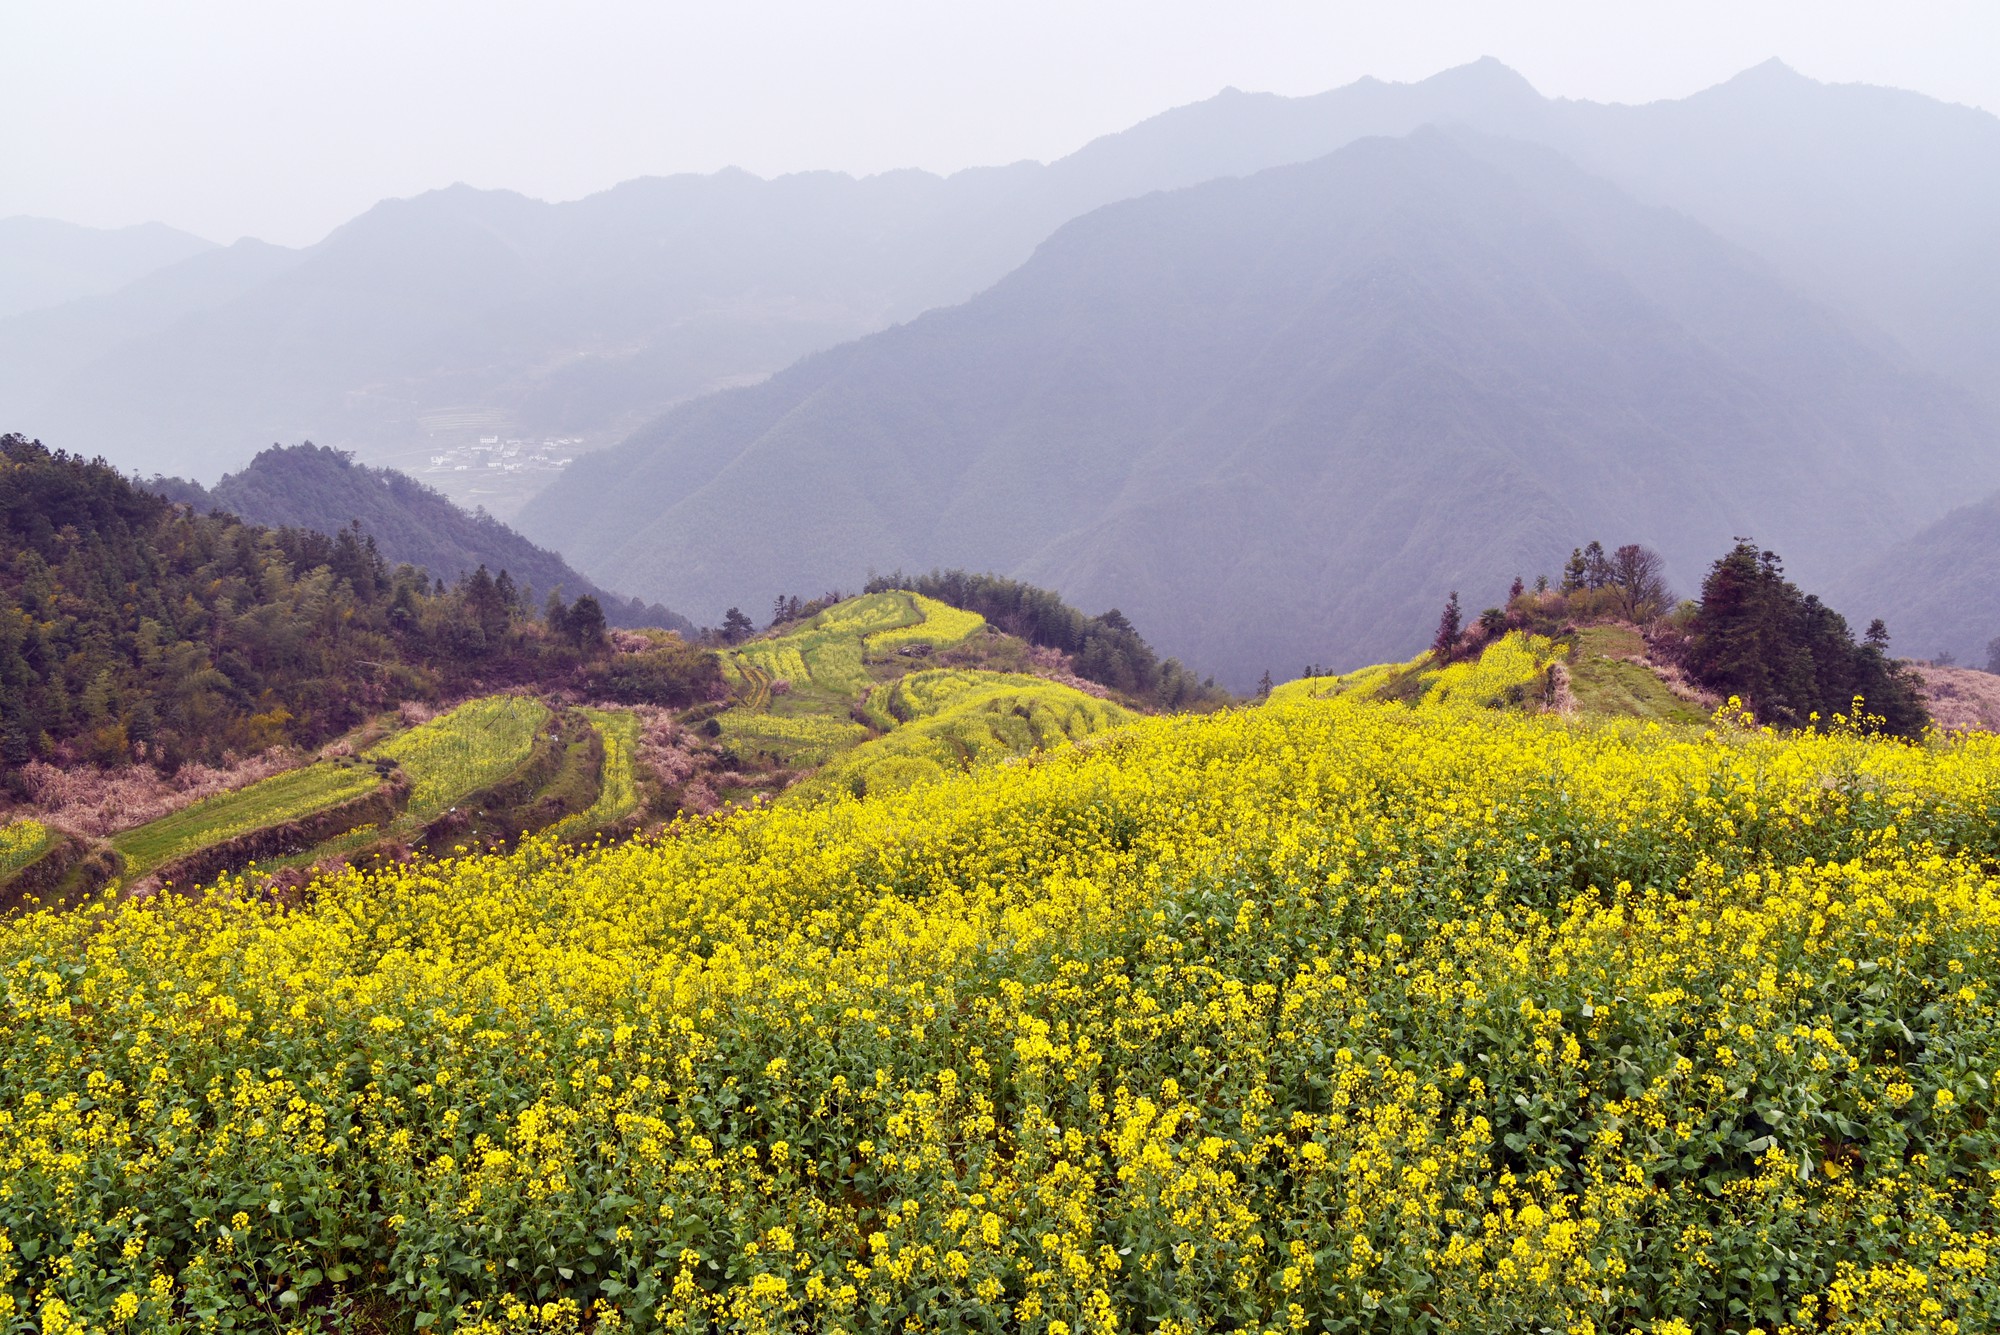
{"x": 1445, "y": 643}
{"x": 1596, "y": 566}
{"x": 736, "y": 627}
{"x": 1575, "y": 571}
{"x": 1789, "y": 656}
{"x": 586, "y": 625}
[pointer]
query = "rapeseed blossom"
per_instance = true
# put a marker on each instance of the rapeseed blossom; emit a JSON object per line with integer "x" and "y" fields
{"x": 1325, "y": 1015}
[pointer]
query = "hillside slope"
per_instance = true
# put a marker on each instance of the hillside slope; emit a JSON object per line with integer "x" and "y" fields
{"x": 1339, "y": 389}
{"x": 1320, "y": 1016}
{"x": 311, "y": 486}
{"x": 1939, "y": 590}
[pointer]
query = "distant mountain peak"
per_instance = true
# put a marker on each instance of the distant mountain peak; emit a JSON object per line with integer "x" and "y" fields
{"x": 1488, "y": 75}
{"x": 1772, "y": 73}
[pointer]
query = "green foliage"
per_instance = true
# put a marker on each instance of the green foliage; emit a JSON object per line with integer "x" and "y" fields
{"x": 132, "y": 628}
{"x": 463, "y": 751}
{"x": 281, "y": 797}
{"x": 312, "y": 487}
{"x": 669, "y": 672}
{"x": 1789, "y": 656}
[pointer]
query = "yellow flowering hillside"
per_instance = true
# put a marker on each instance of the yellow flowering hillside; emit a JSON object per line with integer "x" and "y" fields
{"x": 1327, "y": 1015}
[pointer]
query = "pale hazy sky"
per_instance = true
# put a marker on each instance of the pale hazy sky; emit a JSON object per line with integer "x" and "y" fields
{"x": 279, "y": 119}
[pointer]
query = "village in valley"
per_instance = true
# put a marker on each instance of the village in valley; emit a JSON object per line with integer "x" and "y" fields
{"x": 551, "y": 455}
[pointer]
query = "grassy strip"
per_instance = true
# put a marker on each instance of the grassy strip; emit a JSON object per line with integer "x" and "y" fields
{"x": 618, "y": 791}
{"x": 281, "y": 797}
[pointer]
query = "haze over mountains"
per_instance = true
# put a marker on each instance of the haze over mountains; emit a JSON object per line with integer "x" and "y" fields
{"x": 1268, "y": 417}
{"x": 589, "y": 317}
{"x": 45, "y": 263}
{"x": 1819, "y": 319}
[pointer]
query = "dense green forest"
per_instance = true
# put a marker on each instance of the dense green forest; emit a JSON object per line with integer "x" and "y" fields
{"x": 1788, "y": 655}
{"x": 312, "y": 486}
{"x": 134, "y": 628}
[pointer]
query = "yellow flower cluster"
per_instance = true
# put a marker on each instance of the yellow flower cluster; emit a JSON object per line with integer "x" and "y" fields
{"x": 21, "y": 842}
{"x": 1324, "y": 1015}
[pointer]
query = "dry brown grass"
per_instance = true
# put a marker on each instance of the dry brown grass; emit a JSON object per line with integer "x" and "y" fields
{"x": 90, "y": 801}
{"x": 1961, "y": 699}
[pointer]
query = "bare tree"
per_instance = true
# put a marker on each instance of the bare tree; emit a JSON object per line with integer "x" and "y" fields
{"x": 1638, "y": 574}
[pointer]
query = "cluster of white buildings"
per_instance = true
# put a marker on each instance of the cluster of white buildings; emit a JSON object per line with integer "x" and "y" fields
{"x": 508, "y": 456}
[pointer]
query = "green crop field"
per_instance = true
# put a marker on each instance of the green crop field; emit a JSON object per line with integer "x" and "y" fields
{"x": 799, "y": 739}
{"x": 21, "y": 842}
{"x": 463, "y": 751}
{"x": 941, "y": 627}
{"x": 281, "y": 797}
{"x": 958, "y": 720}
{"x": 619, "y": 795}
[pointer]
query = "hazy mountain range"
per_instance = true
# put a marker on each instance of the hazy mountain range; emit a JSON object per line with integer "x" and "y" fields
{"x": 46, "y": 263}
{"x": 1841, "y": 312}
{"x": 588, "y": 317}
{"x": 1275, "y": 419}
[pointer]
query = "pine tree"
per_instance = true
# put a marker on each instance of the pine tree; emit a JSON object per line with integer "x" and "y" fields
{"x": 1450, "y": 623}
{"x": 1575, "y": 571}
{"x": 1264, "y": 685}
{"x": 1596, "y": 566}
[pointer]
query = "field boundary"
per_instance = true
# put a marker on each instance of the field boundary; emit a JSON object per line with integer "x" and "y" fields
{"x": 284, "y": 839}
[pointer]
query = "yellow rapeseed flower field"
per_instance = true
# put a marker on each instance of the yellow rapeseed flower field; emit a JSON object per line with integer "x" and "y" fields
{"x": 1323, "y": 1016}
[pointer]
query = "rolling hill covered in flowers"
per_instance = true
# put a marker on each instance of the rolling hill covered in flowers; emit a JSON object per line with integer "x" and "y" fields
{"x": 1334, "y": 1013}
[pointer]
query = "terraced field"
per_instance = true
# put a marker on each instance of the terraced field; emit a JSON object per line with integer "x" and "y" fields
{"x": 618, "y": 794}
{"x": 282, "y": 797}
{"x": 463, "y": 751}
{"x": 21, "y": 842}
{"x": 955, "y": 720}
{"x": 827, "y": 656}
{"x": 851, "y": 707}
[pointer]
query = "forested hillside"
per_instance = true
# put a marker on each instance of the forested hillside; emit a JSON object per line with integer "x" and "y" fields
{"x": 134, "y": 629}
{"x": 1275, "y": 419}
{"x": 311, "y": 486}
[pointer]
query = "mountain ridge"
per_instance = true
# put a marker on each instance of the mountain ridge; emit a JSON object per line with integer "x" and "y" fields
{"x": 1157, "y": 335}
{"x": 314, "y": 487}
{"x": 706, "y": 281}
